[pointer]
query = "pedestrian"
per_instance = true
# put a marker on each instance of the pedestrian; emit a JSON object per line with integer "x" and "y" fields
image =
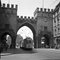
{"x": 6, "y": 46}
{"x": 1, "y": 49}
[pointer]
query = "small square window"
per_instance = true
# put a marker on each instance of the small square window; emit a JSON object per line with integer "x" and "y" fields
{"x": 45, "y": 28}
{"x": 54, "y": 21}
{"x": 7, "y": 26}
{"x": 55, "y": 30}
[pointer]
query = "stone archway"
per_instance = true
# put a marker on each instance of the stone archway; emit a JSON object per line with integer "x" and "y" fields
{"x": 47, "y": 40}
{"x": 4, "y": 40}
{"x": 32, "y": 29}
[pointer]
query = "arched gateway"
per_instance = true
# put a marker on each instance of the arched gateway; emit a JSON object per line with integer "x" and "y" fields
{"x": 3, "y": 37}
{"x": 40, "y": 24}
{"x": 31, "y": 23}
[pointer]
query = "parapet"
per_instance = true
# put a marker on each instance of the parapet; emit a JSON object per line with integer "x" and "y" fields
{"x": 32, "y": 17}
{"x": 21, "y": 17}
{"x": 25, "y": 18}
{"x": 9, "y": 6}
{"x": 37, "y": 9}
{"x": 28, "y": 17}
{"x": 43, "y": 10}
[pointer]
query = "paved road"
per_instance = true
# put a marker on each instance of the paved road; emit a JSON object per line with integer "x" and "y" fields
{"x": 36, "y": 54}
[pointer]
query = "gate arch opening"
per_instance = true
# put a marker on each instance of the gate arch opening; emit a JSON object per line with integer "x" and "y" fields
{"x": 25, "y": 31}
{"x": 47, "y": 40}
{"x": 22, "y": 34}
{"x": 6, "y": 38}
{"x": 32, "y": 29}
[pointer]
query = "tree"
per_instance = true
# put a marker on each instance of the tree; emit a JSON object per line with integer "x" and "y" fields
{"x": 19, "y": 39}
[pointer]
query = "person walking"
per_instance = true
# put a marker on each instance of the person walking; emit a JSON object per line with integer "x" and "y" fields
{"x": 1, "y": 49}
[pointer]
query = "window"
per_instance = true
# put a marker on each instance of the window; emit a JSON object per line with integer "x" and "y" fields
{"x": 54, "y": 21}
{"x": 7, "y": 26}
{"x": 55, "y": 30}
{"x": 58, "y": 29}
{"x": 45, "y": 28}
{"x": 59, "y": 9}
{"x": 58, "y": 20}
{"x": 56, "y": 14}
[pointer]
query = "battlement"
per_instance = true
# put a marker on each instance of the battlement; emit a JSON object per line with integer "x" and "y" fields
{"x": 43, "y": 10}
{"x": 9, "y": 6}
{"x": 25, "y": 18}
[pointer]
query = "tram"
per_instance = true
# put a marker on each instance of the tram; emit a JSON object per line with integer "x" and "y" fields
{"x": 27, "y": 43}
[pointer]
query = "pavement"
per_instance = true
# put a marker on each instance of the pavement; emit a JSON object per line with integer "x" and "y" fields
{"x": 35, "y": 54}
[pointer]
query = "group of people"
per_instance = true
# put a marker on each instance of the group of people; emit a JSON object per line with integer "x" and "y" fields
{"x": 3, "y": 47}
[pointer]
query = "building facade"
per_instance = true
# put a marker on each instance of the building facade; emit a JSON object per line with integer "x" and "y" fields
{"x": 56, "y": 25}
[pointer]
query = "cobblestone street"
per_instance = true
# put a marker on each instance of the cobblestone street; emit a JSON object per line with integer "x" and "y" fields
{"x": 36, "y": 54}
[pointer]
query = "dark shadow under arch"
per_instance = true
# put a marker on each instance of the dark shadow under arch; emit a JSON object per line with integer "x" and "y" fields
{"x": 47, "y": 40}
{"x": 4, "y": 34}
{"x": 3, "y": 37}
{"x": 32, "y": 29}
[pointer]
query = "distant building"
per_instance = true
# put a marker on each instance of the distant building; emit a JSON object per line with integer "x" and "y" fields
{"x": 18, "y": 40}
{"x": 56, "y": 24}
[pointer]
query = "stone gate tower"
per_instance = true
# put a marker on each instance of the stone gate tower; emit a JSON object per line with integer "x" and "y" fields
{"x": 41, "y": 24}
{"x": 44, "y": 19}
{"x": 8, "y": 16}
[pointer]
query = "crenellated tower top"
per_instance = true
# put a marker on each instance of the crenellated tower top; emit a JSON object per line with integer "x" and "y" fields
{"x": 40, "y": 11}
{"x": 25, "y": 17}
{"x": 8, "y": 6}
{"x": 22, "y": 19}
{"x": 43, "y": 10}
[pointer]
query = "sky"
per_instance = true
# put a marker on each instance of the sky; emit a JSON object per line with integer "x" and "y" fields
{"x": 25, "y": 32}
{"x": 27, "y": 8}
